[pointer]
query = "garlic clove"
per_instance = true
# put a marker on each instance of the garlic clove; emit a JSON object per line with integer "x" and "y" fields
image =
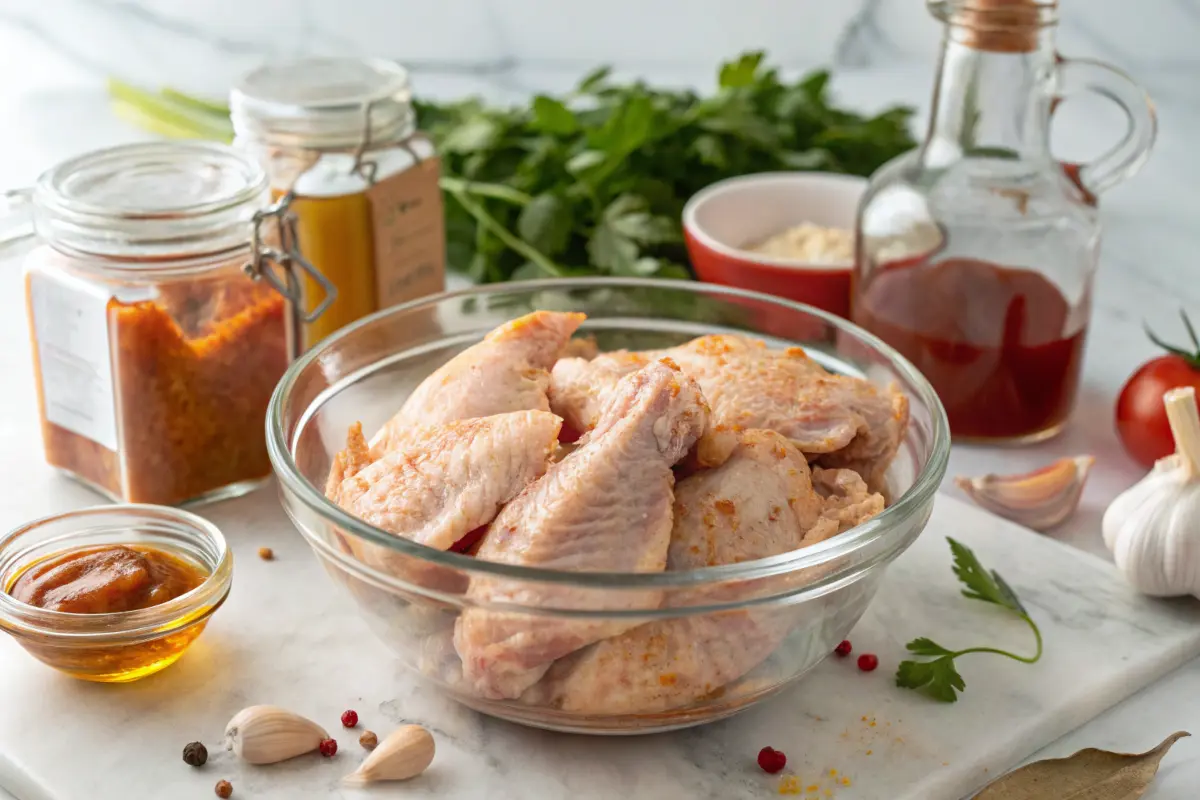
{"x": 404, "y": 754}
{"x": 1040, "y": 499}
{"x": 268, "y": 734}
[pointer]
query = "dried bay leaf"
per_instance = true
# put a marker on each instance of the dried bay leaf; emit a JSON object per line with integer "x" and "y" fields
{"x": 1090, "y": 774}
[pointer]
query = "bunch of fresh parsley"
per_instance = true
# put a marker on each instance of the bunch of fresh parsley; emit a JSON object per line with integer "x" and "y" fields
{"x": 594, "y": 182}
{"x": 938, "y": 678}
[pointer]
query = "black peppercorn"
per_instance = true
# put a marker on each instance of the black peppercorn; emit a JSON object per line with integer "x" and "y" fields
{"x": 195, "y": 754}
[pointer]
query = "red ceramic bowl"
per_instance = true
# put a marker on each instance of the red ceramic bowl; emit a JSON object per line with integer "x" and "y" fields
{"x": 721, "y": 221}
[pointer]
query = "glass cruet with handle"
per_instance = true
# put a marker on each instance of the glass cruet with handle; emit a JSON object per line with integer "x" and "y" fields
{"x": 976, "y": 251}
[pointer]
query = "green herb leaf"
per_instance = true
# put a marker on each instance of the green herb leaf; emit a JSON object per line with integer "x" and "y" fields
{"x": 816, "y": 158}
{"x": 612, "y": 252}
{"x": 593, "y": 80}
{"x": 982, "y": 585}
{"x": 927, "y": 647}
{"x": 475, "y": 134}
{"x": 627, "y": 215}
{"x": 552, "y": 116}
{"x": 626, "y": 130}
{"x": 711, "y": 150}
{"x": 739, "y": 73}
{"x": 546, "y": 223}
{"x": 581, "y": 162}
{"x": 938, "y": 678}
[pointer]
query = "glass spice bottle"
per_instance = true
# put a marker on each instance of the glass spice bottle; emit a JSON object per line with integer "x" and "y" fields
{"x": 996, "y": 313}
{"x": 155, "y": 352}
{"x": 338, "y": 139}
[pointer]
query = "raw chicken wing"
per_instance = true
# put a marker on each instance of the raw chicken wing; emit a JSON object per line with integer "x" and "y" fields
{"x": 452, "y": 479}
{"x": 749, "y": 386}
{"x": 605, "y": 507}
{"x": 507, "y": 371}
{"x": 759, "y": 503}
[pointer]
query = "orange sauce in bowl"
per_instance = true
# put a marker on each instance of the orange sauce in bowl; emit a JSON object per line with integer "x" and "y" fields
{"x": 106, "y": 579}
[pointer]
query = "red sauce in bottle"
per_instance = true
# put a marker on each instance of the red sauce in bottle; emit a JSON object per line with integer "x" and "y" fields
{"x": 994, "y": 341}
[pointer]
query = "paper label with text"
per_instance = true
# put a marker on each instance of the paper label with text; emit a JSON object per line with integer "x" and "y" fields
{"x": 409, "y": 232}
{"x": 70, "y": 325}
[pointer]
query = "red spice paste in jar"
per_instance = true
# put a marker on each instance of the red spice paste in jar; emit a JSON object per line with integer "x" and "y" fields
{"x": 193, "y": 373}
{"x": 994, "y": 341}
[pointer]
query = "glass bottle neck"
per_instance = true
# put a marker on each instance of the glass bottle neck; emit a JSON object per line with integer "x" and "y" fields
{"x": 991, "y": 104}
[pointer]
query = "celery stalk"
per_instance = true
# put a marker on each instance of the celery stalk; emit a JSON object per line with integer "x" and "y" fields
{"x": 166, "y": 116}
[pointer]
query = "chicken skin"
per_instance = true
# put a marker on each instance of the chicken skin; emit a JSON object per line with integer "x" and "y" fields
{"x": 761, "y": 502}
{"x": 507, "y": 371}
{"x": 449, "y": 480}
{"x": 840, "y": 420}
{"x": 605, "y": 507}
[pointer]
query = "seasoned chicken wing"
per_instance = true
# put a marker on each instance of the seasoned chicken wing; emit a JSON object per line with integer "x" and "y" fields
{"x": 605, "y": 507}
{"x": 759, "y": 503}
{"x": 507, "y": 371}
{"x": 749, "y": 386}
{"x": 449, "y": 480}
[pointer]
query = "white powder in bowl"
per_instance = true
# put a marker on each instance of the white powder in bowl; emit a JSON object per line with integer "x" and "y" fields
{"x": 811, "y": 243}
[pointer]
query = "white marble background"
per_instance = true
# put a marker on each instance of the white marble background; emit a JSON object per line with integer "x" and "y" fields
{"x": 55, "y": 55}
{"x": 204, "y": 44}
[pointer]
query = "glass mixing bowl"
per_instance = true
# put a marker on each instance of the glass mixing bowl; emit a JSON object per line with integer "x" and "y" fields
{"x": 718, "y": 639}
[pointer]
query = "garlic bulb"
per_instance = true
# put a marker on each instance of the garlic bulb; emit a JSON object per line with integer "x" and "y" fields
{"x": 1153, "y": 528}
{"x": 267, "y": 734}
{"x": 402, "y": 755}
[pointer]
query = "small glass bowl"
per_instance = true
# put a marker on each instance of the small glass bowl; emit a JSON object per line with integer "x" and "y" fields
{"x": 123, "y": 646}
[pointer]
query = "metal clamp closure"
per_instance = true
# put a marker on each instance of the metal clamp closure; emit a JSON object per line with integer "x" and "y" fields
{"x": 277, "y": 265}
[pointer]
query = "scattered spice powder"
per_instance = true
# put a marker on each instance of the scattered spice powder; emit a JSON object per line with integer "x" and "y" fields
{"x": 790, "y": 784}
{"x": 193, "y": 372}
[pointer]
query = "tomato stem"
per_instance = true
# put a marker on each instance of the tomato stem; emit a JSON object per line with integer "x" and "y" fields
{"x": 1193, "y": 358}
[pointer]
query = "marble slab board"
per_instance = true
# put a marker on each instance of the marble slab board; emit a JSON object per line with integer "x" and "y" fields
{"x": 287, "y": 636}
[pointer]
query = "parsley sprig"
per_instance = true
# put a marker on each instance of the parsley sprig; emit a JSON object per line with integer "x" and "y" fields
{"x": 939, "y": 678}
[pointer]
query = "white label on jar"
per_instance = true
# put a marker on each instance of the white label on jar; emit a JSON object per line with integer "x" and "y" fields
{"x": 333, "y": 174}
{"x": 70, "y": 325}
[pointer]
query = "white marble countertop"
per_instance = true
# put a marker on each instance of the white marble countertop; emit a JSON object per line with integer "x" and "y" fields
{"x": 59, "y": 109}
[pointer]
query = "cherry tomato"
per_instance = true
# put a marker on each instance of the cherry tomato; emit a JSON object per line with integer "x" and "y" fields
{"x": 1141, "y": 416}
